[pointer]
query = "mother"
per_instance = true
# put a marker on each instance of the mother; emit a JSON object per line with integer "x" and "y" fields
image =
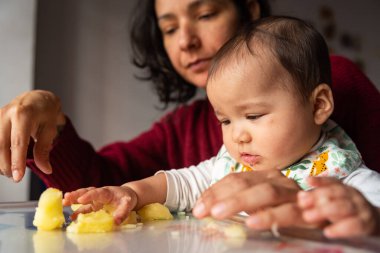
{"x": 174, "y": 40}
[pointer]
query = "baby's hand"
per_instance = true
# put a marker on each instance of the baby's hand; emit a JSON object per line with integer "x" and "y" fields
{"x": 347, "y": 210}
{"x": 123, "y": 198}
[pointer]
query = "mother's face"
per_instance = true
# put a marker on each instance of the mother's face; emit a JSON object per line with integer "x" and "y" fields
{"x": 193, "y": 31}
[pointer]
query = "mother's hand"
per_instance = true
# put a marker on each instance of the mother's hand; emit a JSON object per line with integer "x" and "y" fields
{"x": 268, "y": 196}
{"x": 33, "y": 114}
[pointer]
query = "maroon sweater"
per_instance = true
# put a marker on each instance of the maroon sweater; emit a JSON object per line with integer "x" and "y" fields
{"x": 191, "y": 134}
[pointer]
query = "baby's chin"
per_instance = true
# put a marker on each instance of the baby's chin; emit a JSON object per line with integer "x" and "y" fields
{"x": 266, "y": 166}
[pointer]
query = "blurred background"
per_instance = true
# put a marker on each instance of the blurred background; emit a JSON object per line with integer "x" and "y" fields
{"x": 79, "y": 49}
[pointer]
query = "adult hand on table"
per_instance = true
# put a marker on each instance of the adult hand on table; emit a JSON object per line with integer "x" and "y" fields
{"x": 33, "y": 114}
{"x": 268, "y": 196}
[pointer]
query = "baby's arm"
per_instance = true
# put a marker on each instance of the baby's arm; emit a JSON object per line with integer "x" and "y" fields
{"x": 182, "y": 186}
{"x": 125, "y": 198}
{"x": 348, "y": 212}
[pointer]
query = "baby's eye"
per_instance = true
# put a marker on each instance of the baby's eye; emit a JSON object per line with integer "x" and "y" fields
{"x": 224, "y": 122}
{"x": 253, "y": 117}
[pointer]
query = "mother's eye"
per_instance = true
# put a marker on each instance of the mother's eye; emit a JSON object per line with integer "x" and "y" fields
{"x": 207, "y": 15}
{"x": 169, "y": 31}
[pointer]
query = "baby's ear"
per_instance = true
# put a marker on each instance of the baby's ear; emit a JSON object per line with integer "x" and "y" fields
{"x": 323, "y": 101}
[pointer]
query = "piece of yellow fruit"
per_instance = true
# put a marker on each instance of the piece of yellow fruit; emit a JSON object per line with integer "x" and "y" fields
{"x": 75, "y": 207}
{"x": 94, "y": 222}
{"x": 155, "y": 211}
{"x": 109, "y": 209}
{"x": 49, "y": 213}
{"x": 132, "y": 218}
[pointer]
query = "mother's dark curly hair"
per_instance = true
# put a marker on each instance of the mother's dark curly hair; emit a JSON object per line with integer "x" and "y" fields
{"x": 149, "y": 52}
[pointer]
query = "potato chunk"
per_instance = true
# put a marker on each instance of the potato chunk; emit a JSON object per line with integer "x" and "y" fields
{"x": 94, "y": 222}
{"x": 155, "y": 211}
{"x": 49, "y": 213}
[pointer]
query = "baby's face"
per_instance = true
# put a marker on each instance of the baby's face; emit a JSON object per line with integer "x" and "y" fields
{"x": 264, "y": 124}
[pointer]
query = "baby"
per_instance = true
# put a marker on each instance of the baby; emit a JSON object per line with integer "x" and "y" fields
{"x": 270, "y": 89}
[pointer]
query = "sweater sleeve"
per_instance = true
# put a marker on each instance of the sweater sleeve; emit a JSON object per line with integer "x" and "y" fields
{"x": 184, "y": 137}
{"x": 76, "y": 164}
{"x": 185, "y": 186}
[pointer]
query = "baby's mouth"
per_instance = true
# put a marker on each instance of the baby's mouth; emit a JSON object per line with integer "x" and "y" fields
{"x": 249, "y": 159}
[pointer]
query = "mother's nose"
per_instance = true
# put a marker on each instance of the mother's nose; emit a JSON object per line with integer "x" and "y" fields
{"x": 188, "y": 37}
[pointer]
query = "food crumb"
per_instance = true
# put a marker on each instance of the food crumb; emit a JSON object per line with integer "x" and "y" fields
{"x": 235, "y": 231}
{"x": 129, "y": 226}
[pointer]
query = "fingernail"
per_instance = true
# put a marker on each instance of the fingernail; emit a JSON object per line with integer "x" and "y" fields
{"x": 199, "y": 209}
{"x": 16, "y": 175}
{"x": 218, "y": 210}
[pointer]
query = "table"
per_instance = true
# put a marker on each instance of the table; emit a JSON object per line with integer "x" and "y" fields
{"x": 183, "y": 234}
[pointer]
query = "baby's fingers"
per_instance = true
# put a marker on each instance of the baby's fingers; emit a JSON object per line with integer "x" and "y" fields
{"x": 322, "y": 194}
{"x": 96, "y": 196}
{"x": 322, "y": 181}
{"x": 349, "y": 227}
{"x": 123, "y": 210}
{"x": 72, "y": 197}
{"x": 330, "y": 210}
{"x": 83, "y": 209}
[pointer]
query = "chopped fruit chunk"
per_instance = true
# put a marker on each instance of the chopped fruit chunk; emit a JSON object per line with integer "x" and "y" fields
{"x": 49, "y": 213}
{"x": 132, "y": 218}
{"x": 94, "y": 222}
{"x": 75, "y": 207}
{"x": 155, "y": 211}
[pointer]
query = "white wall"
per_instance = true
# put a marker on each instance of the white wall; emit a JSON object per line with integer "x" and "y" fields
{"x": 359, "y": 20}
{"x": 17, "y": 19}
{"x": 83, "y": 56}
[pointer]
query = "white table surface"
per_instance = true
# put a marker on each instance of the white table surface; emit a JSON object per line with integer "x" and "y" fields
{"x": 17, "y": 234}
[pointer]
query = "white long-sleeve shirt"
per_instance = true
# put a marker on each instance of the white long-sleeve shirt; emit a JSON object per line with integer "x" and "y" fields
{"x": 185, "y": 186}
